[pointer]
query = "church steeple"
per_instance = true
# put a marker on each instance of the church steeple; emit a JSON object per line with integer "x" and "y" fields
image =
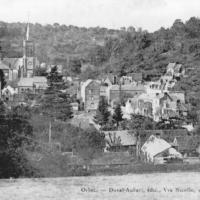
{"x": 29, "y": 59}
{"x": 27, "y": 32}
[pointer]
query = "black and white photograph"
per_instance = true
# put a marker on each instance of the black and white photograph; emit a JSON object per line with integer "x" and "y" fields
{"x": 99, "y": 99}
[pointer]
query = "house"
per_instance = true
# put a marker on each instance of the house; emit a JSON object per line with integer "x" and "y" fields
{"x": 144, "y": 104}
{"x": 148, "y": 105}
{"x": 158, "y": 151}
{"x": 90, "y": 94}
{"x": 157, "y": 105}
{"x": 104, "y": 89}
{"x": 131, "y": 78}
{"x": 175, "y": 70}
{"x": 120, "y": 140}
{"x": 136, "y": 77}
{"x": 154, "y": 87}
{"x": 33, "y": 84}
{"x": 124, "y": 91}
{"x": 172, "y": 105}
{"x": 110, "y": 79}
{"x": 187, "y": 145}
{"x": 180, "y": 139}
{"x": 125, "y": 80}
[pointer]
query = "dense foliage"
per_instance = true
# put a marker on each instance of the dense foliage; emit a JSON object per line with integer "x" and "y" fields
{"x": 16, "y": 134}
{"x": 55, "y": 103}
{"x": 102, "y": 113}
{"x": 118, "y": 115}
{"x": 119, "y": 51}
{"x": 2, "y": 79}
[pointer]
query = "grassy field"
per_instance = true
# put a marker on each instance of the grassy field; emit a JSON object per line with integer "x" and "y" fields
{"x": 69, "y": 165}
{"x": 157, "y": 186}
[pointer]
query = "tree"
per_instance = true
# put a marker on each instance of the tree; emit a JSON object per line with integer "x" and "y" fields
{"x": 102, "y": 113}
{"x": 40, "y": 71}
{"x": 55, "y": 80}
{"x": 171, "y": 123}
{"x": 139, "y": 122}
{"x": 75, "y": 66}
{"x": 2, "y": 78}
{"x": 90, "y": 144}
{"x": 16, "y": 133}
{"x": 55, "y": 103}
{"x": 118, "y": 115}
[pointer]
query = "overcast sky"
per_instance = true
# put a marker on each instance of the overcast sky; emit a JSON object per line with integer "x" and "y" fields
{"x": 148, "y": 14}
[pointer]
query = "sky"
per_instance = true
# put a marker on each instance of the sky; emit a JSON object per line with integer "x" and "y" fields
{"x": 148, "y": 14}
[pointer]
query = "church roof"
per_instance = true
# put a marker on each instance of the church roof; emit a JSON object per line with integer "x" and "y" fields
{"x": 4, "y": 66}
{"x": 28, "y": 82}
{"x": 13, "y": 63}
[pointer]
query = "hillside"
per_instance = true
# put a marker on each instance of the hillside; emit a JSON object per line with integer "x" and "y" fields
{"x": 117, "y": 51}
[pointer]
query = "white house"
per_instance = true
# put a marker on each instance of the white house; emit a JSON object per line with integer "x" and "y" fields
{"x": 156, "y": 149}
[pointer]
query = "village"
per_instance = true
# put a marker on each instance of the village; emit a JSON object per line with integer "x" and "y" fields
{"x": 156, "y": 101}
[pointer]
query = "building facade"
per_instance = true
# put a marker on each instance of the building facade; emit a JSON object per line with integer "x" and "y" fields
{"x": 90, "y": 94}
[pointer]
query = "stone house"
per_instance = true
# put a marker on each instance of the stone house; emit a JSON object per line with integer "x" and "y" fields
{"x": 110, "y": 79}
{"x": 115, "y": 92}
{"x": 156, "y": 106}
{"x": 90, "y": 94}
{"x": 144, "y": 104}
{"x": 131, "y": 78}
{"x": 174, "y": 71}
{"x": 34, "y": 84}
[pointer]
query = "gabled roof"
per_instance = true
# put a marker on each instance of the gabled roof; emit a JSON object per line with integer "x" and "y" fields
{"x": 13, "y": 63}
{"x": 4, "y": 66}
{"x": 125, "y": 138}
{"x": 154, "y": 146}
{"x": 128, "y": 87}
{"x": 109, "y": 76}
{"x": 167, "y": 135}
{"x": 28, "y": 82}
{"x": 86, "y": 83}
{"x": 187, "y": 143}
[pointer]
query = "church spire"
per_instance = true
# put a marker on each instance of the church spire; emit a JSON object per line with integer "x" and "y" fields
{"x": 27, "y": 28}
{"x": 27, "y": 32}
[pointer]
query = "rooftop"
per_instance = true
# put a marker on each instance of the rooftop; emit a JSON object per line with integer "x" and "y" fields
{"x": 125, "y": 137}
{"x": 28, "y": 82}
{"x": 128, "y": 87}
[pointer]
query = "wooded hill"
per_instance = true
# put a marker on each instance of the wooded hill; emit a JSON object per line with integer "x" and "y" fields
{"x": 117, "y": 51}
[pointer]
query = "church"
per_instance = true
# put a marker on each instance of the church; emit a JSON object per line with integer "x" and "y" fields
{"x": 29, "y": 57}
{"x": 24, "y": 67}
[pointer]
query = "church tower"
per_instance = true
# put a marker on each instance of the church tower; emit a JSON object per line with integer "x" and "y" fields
{"x": 29, "y": 59}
